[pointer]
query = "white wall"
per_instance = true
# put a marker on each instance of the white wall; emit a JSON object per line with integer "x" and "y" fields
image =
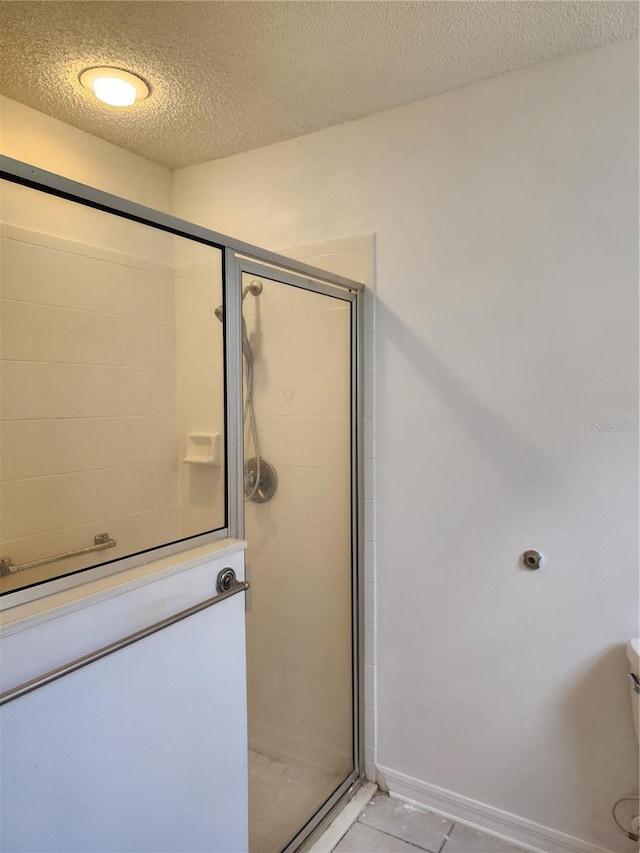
{"x": 47, "y": 143}
{"x": 506, "y": 225}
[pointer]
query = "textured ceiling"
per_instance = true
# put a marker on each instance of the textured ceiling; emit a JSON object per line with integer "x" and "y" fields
{"x": 229, "y": 76}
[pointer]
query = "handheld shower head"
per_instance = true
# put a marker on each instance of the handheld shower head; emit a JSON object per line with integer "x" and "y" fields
{"x": 255, "y": 289}
{"x": 260, "y": 478}
{"x": 246, "y": 346}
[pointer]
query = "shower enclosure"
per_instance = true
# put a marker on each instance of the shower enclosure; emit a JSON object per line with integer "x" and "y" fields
{"x": 172, "y": 388}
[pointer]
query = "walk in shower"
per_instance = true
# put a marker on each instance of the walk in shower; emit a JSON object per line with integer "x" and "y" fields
{"x": 164, "y": 387}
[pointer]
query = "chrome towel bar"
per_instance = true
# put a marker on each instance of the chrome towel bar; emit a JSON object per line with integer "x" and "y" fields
{"x": 100, "y": 543}
{"x": 79, "y": 663}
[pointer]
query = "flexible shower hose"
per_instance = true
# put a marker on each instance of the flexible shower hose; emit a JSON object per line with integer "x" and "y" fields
{"x": 248, "y": 406}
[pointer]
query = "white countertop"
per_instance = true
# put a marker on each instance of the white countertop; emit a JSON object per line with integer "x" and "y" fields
{"x": 53, "y": 606}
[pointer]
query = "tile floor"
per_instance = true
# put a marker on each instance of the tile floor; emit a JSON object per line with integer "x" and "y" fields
{"x": 390, "y": 826}
{"x": 282, "y": 795}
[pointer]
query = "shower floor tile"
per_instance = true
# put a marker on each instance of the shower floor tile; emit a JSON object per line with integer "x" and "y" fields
{"x": 282, "y": 796}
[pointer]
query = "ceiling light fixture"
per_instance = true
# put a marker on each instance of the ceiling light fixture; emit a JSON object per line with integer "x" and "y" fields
{"x": 114, "y": 87}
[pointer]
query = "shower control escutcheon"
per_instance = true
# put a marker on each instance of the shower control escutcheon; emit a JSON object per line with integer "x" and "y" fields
{"x": 226, "y": 580}
{"x": 531, "y": 559}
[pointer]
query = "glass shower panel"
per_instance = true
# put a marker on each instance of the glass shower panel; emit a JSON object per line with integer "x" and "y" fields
{"x": 112, "y": 388}
{"x": 297, "y": 445}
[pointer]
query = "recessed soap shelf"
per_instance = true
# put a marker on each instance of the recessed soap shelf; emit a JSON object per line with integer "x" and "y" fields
{"x": 203, "y": 448}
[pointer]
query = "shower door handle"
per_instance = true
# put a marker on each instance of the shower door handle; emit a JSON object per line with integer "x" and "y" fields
{"x": 247, "y": 595}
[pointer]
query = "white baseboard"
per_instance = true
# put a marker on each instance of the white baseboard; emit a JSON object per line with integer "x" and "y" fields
{"x": 503, "y": 825}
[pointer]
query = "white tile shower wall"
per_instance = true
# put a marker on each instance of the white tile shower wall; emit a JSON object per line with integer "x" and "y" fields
{"x": 298, "y": 630}
{"x": 198, "y": 291}
{"x": 355, "y": 258}
{"x": 88, "y": 432}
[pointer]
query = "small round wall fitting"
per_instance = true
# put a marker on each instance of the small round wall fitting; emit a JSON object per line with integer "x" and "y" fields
{"x": 531, "y": 559}
{"x": 114, "y": 86}
{"x": 226, "y": 580}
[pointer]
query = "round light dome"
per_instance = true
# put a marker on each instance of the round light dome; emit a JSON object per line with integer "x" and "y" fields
{"x": 114, "y": 87}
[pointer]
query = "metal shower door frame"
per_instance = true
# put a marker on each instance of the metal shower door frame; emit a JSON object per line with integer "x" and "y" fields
{"x": 27, "y": 175}
{"x": 235, "y": 264}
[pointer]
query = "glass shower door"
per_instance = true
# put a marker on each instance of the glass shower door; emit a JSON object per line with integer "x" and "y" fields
{"x": 298, "y": 441}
